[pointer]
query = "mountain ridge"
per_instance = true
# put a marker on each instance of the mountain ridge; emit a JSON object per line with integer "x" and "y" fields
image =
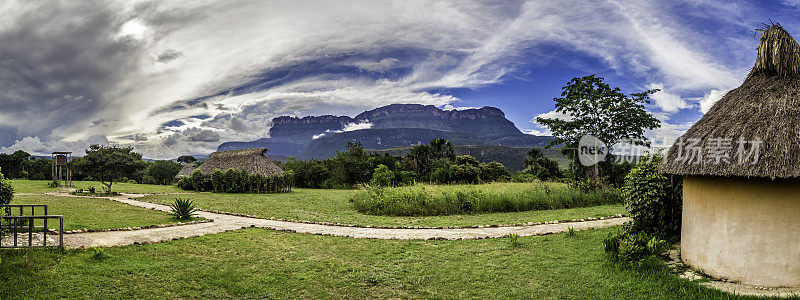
{"x": 394, "y": 125}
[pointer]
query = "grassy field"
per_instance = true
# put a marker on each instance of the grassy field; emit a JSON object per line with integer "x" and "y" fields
{"x": 40, "y": 186}
{"x": 432, "y": 200}
{"x": 334, "y": 206}
{"x": 95, "y": 213}
{"x": 260, "y": 263}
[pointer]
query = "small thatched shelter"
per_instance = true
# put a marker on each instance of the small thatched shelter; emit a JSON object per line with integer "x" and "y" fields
{"x": 254, "y": 161}
{"x": 741, "y": 174}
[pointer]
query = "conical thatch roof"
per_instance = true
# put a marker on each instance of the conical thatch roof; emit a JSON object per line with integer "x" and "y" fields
{"x": 760, "y": 118}
{"x": 186, "y": 170}
{"x": 250, "y": 160}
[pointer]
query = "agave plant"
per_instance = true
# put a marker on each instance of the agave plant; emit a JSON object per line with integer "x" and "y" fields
{"x": 183, "y": 209}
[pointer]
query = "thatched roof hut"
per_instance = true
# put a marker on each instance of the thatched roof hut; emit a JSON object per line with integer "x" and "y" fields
{"x": 741, "y": 169}
{"x": 186, "y": 170}
{"x": 254, "y": 161}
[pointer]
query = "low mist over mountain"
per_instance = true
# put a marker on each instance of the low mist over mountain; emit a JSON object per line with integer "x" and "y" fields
{"x": 395, "y": 125}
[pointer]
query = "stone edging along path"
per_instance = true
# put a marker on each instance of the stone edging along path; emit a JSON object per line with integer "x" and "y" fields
{"x": 225, "y": 222}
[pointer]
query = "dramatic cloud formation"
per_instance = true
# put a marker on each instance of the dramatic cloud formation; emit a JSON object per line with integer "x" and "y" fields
{"x": 172, "y": 78}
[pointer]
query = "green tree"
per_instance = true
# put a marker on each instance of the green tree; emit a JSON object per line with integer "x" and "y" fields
{"x": 597, "y": 109}
{"x": 187, "y": 159}
{"x": 163, "y": 171}
{"x": 421, "y": 158}
{"x": 493, "y": 171}
{"x": 6, "y": 190}
{"x": 540, "y": 166}
{"x": 108, "y": 164}
{"x": 382, "y": 176}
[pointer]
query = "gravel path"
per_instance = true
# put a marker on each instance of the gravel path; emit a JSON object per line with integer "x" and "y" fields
{"x": 224, "y": 223}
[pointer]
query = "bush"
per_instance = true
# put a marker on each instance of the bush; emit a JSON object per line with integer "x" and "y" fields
{"x": 630, "y": 246}
{"x": 38, "y": 176}
{"x": 183, "y": 209}
{"x": 24, "y": 174}
{"x": 382, "y": 176}
{"x": 6, "y": 191}
{"x": 236, "y": 181}
{"x": 652, "y": 201}
{"x": 419, "y": 201}
{"x": 53, "y": 184}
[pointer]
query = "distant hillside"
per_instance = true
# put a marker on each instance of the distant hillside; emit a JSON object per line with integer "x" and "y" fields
{"x": 511, "y": 157}
{"x": 390, "y": 126}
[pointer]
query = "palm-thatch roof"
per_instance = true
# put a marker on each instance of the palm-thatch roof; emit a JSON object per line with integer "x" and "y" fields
{"x": 186, "y": 170}
{"x": 756, "y": 124}
{"x": 253, "y": 161}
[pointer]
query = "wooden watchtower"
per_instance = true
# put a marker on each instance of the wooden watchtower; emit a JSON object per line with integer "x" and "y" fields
{"x": 61, "y": 171}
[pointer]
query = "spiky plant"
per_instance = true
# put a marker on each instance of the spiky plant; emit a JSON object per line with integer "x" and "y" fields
{"x": 183, "y": 209}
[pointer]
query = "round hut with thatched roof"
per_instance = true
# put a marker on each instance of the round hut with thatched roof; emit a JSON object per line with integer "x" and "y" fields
{"x": 253, "y": 161}
{"x": 741, "y": 174}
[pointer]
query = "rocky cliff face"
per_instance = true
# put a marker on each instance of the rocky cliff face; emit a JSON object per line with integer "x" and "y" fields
{"x": 391, "y": 126}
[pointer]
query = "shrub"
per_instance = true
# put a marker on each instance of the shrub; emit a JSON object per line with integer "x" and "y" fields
{"x": 147, "y": 179}
{"x": 652, "y": 201}
{"x": 99, "y": 253}
{"x": 132, "y": 181}
{"x": 6, "y": 191}
{"x": 218, "y": 181}
{"x": 38, "y": 176}
{"x": 53, "y": 184}
{"x": 630, "y": 246}
{"x": 183, "y": 209}
{"x": 513, "y": 239}
{"x": 420, "y": 201}
{"x": 236, "y": 181}
{"x": 24, "y": 174}
{"x": 382, "y": 176}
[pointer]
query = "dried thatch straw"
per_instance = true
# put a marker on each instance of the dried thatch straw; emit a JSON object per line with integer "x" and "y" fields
{"x": 251, "y": 160}
{"x": 778, "y": 53}
{"x": 765, "y": 107}
{"x": 186, "y": 170}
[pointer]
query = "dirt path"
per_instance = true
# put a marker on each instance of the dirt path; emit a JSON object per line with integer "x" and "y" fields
{"x": 224, "y": 223}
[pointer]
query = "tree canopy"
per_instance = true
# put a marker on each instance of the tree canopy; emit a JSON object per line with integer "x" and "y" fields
{"x": 161, "y": 171}
{"x": 595, "y": 108}
{"x": 187, "y": 159}
{"x": 108, "y": 164}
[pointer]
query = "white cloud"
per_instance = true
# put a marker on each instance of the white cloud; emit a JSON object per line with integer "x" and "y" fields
{"x": 451, "y": 107}
{"x": 150, "y": 57}
{"x": 35, "y": 146}
{"x": 347, "y": 127}
{"x": 667, "y": 101}
{"x": 710, "y": 98}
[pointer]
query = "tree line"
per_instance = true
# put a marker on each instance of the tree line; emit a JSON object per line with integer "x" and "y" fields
{"x": 434, "y": 162}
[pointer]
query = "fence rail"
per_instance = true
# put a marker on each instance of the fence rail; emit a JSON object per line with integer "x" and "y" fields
{"x": 26, "y": 225}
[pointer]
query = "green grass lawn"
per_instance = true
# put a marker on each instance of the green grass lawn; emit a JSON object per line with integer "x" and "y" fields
{"x": 40, "y": 186}
{"x": 95, "y": 213}
{"x": 261, "y": 263}
{"x": 334, "y": 206}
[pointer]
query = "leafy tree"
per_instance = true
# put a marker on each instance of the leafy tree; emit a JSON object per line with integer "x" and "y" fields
{"x": 382, "y": 176}
{"x": 6, "y": 190}
{"x": 493, "y": 171}
{"x": 187, "y": 159}
{"x": 108, "y": 164}
{"x": 598, "y": 109}
{"x": 163, "y": 171}
{"x": 540, "y": 166}
{"x": 421, "y": 158}
{"x": 352, "y": 166}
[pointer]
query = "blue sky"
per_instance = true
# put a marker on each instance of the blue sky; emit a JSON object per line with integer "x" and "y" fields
{"x": 172, "y": 78}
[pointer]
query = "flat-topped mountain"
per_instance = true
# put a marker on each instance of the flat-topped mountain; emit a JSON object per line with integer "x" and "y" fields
{"x": 389, "y": 126}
